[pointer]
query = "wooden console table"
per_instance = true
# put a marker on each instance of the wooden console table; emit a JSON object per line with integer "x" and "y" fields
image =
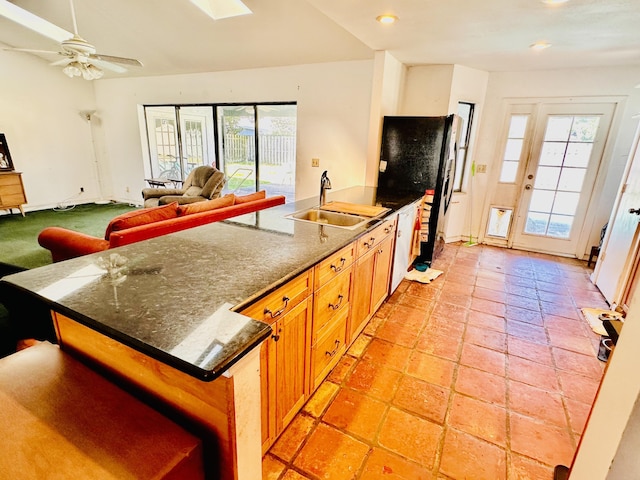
{"x": 12, "y": 191}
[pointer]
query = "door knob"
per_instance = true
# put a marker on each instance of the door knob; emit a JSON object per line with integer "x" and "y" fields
{"x": 527, "y": 186}
{"x": 635, "y": 210}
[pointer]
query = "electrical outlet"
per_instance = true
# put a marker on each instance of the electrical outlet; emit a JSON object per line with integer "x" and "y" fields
{"x": 481, "y": 169}
{"x": 81, "y": 189}
{"x": 315, "y": 162}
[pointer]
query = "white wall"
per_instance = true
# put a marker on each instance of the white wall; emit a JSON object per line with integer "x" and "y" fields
{"x": 388, "y": 86}
{"x": 333, "y": 117}
{"x": 48, "y": 139}
{"x": 570, "y": 83}
{"x": 427, "y": 90}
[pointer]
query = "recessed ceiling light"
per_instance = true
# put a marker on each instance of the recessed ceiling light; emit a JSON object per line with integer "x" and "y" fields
{"x": 539, "y": 45}
{"x": 554, "y": 2}
{"x": 387, "y": 19}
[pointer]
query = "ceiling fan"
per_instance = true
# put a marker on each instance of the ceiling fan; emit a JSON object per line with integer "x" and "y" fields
{"x": 80, "y": 57}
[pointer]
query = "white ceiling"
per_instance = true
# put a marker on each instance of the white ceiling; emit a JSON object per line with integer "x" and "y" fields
{"x": 174, "y": 36}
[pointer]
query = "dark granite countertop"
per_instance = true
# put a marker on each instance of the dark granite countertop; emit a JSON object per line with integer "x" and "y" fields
{"x": 172, "y": 297}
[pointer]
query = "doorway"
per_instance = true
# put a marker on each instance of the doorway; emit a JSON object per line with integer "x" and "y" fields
{"x": 566, "y": 150}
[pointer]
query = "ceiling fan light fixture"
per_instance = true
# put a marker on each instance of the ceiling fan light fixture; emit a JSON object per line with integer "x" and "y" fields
{"x": 386, "y": 19}
{"x": 73, "y": 69}
{"x": 91, "y": 72}
{"x": 218, "y": 9}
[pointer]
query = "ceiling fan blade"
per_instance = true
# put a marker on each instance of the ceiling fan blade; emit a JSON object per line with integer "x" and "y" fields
{"x": 33, "y": 22}
{"x": 29, "y": 50}
{"x": 107, "y": 65}
{"x": 64, "y": 61}
{"x": 112, "y": 59}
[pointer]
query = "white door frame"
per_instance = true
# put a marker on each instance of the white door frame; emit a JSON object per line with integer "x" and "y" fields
{"x": 514, "y": 105}
{"x": 558, "y": 246}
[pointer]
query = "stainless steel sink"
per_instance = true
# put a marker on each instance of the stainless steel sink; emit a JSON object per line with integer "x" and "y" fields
{"x": 333, "y": 219}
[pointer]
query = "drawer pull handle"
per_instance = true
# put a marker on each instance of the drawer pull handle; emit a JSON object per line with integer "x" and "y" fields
{"x": 337, "y": 269}
{"x": 335, "y": 350}
{"x": 380, "y": 251}
{"x": 337, "y": 305}
{"x": 370, "y": 243}
{"x": 388, "y": 229}
{"x": 277, "y": 313}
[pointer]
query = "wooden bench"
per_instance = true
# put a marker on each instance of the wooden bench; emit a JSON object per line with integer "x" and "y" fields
{"x": 60, "y": 419}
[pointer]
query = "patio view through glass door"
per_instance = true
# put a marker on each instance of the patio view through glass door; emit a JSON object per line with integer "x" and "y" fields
{"x": 253, "y": 144}
{"x": 257, "y": 145}
{"x": 565, "y": 155}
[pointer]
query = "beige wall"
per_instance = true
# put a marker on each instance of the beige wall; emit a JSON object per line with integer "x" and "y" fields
{"x": 333, "y": 116}
{"x": 48, "y": 139}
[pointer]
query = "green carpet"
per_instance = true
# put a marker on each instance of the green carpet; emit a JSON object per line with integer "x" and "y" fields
{"x": 19, "y": 236}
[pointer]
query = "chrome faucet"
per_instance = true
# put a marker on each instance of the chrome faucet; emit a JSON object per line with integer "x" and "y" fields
{"x": 325, "y": 184}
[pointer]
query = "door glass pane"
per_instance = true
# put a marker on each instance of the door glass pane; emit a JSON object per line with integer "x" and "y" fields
{"x": 277, "y": 149}
{"x": 562, "y": 167}
{"x": 236, "y": 127}
{"x": 513, "y": 148}
{"x": 584, "y": 129}
{"x": 196, "y": 130}
{"x": 578, "y": 155}
{"x": 536, "y": 223}
{"x": 547, "y": 177}
{"x": 163, "y": 142}
{"x": 571, "y": 179}
{"x": 566, "y": 203}
{"x": 509, "y": 172}
{"x": 558, "y": 128}
{"x": 541, "y": 201}
{"x": 552, "y": 153}
{"x": 560, "y": 226}
{"x": 518, "y": 126}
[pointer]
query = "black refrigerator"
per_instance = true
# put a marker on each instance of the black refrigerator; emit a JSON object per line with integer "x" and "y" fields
{"x": 418, "y": 155}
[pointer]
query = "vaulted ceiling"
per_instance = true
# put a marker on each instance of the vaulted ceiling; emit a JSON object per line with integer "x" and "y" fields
{"x": 173, "y": 36}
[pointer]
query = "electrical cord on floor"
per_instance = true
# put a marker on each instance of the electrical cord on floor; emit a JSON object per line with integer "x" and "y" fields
{"x": 63, "y": 206}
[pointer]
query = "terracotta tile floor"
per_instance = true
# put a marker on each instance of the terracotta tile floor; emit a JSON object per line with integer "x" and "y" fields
{"x": 488, "y": 372}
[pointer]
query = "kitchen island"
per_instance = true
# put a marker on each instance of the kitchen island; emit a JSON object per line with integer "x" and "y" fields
{"x": 163, "y": 313}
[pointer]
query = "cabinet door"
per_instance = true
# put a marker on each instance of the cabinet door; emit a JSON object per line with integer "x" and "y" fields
{"x": 361, "y": 298}
{"x": 284, "y": 371}
{"x": 268, "y": 389}
{"x": 293, "y": 348}
{"x": 382, "y": 273}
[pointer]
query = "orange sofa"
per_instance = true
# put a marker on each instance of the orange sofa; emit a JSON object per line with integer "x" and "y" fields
{"x": 151, "y": 222}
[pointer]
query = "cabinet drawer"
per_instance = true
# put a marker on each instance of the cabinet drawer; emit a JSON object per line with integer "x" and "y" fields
{"x": 333, "y": 265}
{"x": 10, "y": 179}
{"x": 282, "y": 300}
{"x": 16, "y": 199}
{"x": 370, "y": 239}
{"x": 330, "y": 301}
{"x": 329, "y": 349}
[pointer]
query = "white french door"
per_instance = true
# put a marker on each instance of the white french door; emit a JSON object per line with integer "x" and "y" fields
{"x": 568, "y": 143}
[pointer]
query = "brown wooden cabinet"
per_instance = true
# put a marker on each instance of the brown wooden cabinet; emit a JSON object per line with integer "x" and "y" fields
{"x": 284, "y": 356}
{"x": 284, "y": 360}
{"x": 12, "y": 191}
{"x": 371, "y": 276}
{"x": 312, "y": 317}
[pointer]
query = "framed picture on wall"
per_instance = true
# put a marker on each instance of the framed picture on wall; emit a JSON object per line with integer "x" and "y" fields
{"x": 6, "y": 164}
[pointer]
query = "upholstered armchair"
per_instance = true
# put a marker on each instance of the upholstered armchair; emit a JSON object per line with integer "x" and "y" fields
{"x": 202, "y": 183}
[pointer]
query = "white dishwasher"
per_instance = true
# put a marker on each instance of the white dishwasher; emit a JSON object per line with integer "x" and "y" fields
{"x": 402, "y": 255}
